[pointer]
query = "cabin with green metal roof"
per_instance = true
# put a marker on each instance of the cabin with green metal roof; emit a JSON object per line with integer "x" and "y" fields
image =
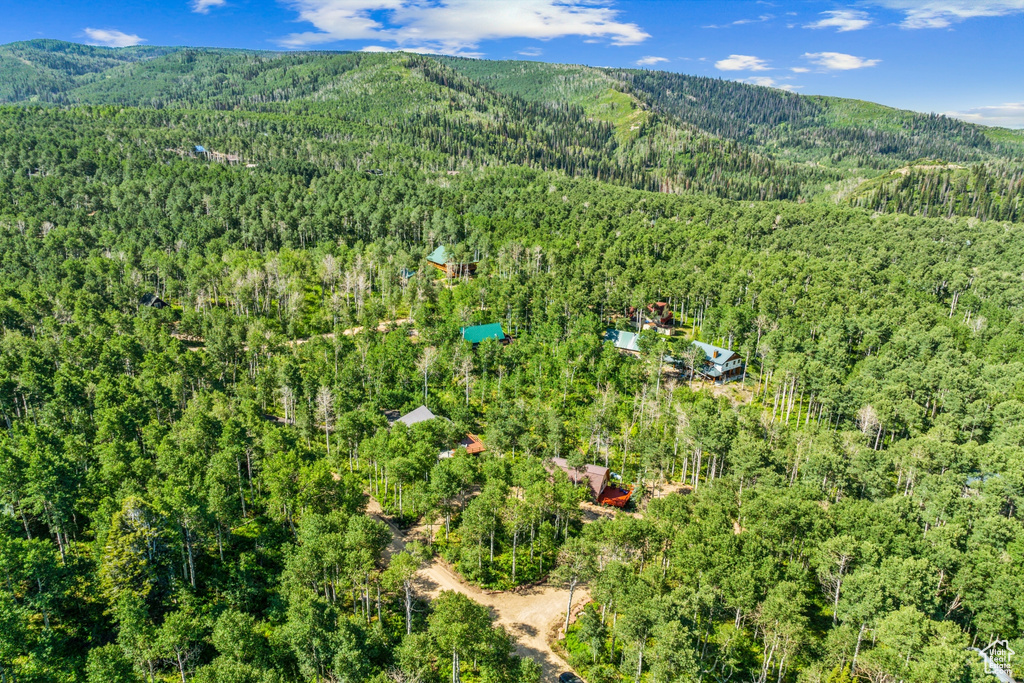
{"x": 443, "y": 259}
{"x": 623, "y": 341}
{"x": 478, "y": 333}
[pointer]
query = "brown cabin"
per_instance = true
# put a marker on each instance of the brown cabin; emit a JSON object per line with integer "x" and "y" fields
{"x": 661, "y": 314}
{"x": 597, "y": 480}
{"x": 595, "y": 476}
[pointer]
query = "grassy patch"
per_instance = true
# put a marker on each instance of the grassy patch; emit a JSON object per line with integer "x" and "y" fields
{"x": 621, "y": 110}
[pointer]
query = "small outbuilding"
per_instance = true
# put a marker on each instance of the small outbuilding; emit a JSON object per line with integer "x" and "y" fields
{"x": 662, "y": 317}
{"x": 478, "y": 333}
{"x": 153, "y": 301}
{"x": 471, "y": 442}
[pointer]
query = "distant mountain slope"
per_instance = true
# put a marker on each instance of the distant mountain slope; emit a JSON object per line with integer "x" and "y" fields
{"x": 773, "y": 120}
{"x": 945, "y": 190}
{"x": 217, "y": 79}
{"x": 45, "y": 70}
{"x": 612, "y": 136}
{"x": 888, "y": 158}
{"x": 643, "y": 129}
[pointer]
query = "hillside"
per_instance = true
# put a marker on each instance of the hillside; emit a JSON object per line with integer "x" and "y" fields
{"x": 46, "y": 70}
{"x": 651, "y": 130}
{"x": 415, "y": 98}
{"x": 856, "y": 140}
{"x": 820, "y": 128}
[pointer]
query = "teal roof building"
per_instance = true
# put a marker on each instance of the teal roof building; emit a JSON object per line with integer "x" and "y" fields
{"x": 443, "y": 259}
{"x": 624, "y": 341}
{"x": 439, "y": 256}
{"x": 477, "y": 333}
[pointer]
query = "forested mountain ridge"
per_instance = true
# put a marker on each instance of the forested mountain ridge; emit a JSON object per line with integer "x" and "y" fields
{"x": 419, "y": 98}
{"x": 856, "y": 139}
{"x": 650, "y": 130}
{"x": 769, "y": 118}
{"x": 42, "y": 70}
{"x": 200, "y": 356}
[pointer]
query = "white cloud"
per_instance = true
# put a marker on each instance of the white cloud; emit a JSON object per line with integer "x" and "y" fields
{"x": 842, "y": 20}
{"x": 1009, "y": 115}
{"x": 458, "y": 26}
{"x": 741, "y": 63}
{"x": 531, "y": 52}
{"x": 837, "y": 61}
{"x": 204, "y": 6}
{"x": 650, "y": 61}
{"x": 742, "y": 22}
{"x": 799, "y": 69}
{"x": 111, "y": 37}
{"x": 411, "y": 48}
{"x": 942, "y": 13}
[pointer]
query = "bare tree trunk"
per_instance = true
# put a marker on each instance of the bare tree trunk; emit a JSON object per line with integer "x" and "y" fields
{"x": 191, "y": 558}
{"x": 856, "y": 651}
{"x": 515, "y": 543}
{"x": 408, "y": 607}
{"x": 568, "y": 607}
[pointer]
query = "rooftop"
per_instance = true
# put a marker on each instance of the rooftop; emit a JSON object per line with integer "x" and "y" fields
{"x": 439, "y": 256}
{"x": 595, "y": 475}
{"x": 477, "y": 333}
{"x": 714, "y": 354}
{"x": 150, "y": 299}
{"x": 472, "y": 444}
{"x": 421, "y": 414}
{"x": 627, "y": 341}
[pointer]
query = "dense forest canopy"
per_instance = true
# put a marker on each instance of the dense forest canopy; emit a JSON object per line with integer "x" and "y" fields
{"x": 214, "y": 302}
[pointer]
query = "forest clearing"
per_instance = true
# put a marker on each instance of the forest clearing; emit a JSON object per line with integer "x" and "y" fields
{"x": 533, "y": 616}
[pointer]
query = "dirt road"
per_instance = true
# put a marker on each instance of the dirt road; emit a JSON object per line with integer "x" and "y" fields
{"x": 533, "y": 616}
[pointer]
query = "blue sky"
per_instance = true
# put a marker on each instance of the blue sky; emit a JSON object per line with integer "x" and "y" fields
{"x": 960, "y": 57}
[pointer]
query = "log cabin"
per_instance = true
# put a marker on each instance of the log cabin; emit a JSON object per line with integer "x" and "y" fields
{"x": 443, "y": 260}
